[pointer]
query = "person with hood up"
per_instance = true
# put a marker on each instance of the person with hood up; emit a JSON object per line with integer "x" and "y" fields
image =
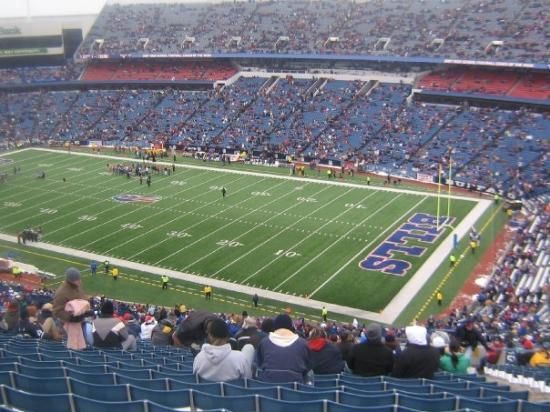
{"x": 326, "y": 358}
{"x": 283, "y": 356}
{"x": 371, "y": 358}
{"x": 217, "y": 361}
{"x": 147, "y": 327}
{"x": 418, "y": 360}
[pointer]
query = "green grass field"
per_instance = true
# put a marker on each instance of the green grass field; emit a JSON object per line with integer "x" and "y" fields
{"x": 292, "y": 236}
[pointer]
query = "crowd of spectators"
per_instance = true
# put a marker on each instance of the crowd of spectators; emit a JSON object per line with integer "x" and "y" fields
{"x": 507, "y": 322}
{"x": 40, "y": 74}
{"x": 454, "y": 28}
{"x": 377, "y": 128}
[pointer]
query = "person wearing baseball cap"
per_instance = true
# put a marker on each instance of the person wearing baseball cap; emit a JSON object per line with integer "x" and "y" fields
{"x": 70, "y": 289}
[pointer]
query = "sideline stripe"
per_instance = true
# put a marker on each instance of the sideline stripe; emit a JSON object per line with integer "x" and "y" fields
{"x": 452, "y": 269}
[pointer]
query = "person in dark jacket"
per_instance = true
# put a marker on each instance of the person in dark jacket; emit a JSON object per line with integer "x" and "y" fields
{"x": 283, "y": 356}
{"x": 249, "y": 333}
{"x": 161, "y": 335}
{"x": 469, "y": 335}
{"x": 192, "y": 330}
{"x": 346, "y": 344}
{"x": 134, "y": 328}
{"x": 371, "y": 358}
{"x": 418, "y": 360}
{"x": 326, "y": 358}
{"x": 110, "y": 332}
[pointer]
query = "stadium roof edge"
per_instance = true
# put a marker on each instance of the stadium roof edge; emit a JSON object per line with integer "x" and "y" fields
{"x": 323, "y": 57}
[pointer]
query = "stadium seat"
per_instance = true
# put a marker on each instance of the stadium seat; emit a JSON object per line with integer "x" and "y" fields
{"x": 274, "y": 405}
{"x": 429, "y": 405}
{"x": 105, "y": 393}
{"x": 31, "y": 402}
{"x": 92, "y": 405}
{"x": 40, "y": 385}
{"x": 234, "y": 403}
{"x": 175, "y": 398}
{"x": 484, "y": 406}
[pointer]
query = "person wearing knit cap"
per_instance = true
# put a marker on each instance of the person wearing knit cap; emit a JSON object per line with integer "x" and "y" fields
{"x": 371, "y": 358}
{"x": 110, "y": 332}
{"x": 283, "y": 356}
{"x": 418, "y": 360}
{"x": 70, "y": 289}
{"x": 217, "y": 361}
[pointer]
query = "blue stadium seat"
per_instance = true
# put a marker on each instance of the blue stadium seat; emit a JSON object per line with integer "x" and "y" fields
{"x": 181, "y": 376}
{"x": 274, "y": 405}
{"x": 233, "y": 403}
{"x": 470, "y": 393}
{"x": 41, "y": 372}
{"x": 136, "y": 373}
{"x": 484, "y": 406}
{"x": 524, "y": 395}
{"x": 155, "y": 384}
{"x": 214, "y": 388}
{"x": 8, "y": 367}
{"x": 534, "y": 407}
{"x": 430, "y": 405}
{"x": 39, "y": 385}
{"x": 5, "y": 378}
{"x": 105, "y": 393}
{"x": 268, "y": 391}
{"x": 174, "y": 399}
{"x": 382, "y": 399}
{"x": 30, "y": 402}
{"x": 299, "y": 396}
{"x": 92, "y": 405}
{"x": 338, "y": 407}
{"x": 96, "y": 379}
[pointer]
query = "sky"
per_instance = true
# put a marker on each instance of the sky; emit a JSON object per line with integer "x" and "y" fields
{"x": 18, "y": 8}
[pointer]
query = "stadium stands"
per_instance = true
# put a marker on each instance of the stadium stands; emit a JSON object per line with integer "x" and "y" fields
{"x": 133, "y": 380}
{"x": 535, "y": 86}
{"x": 144, "y": 70}
{"x": 323, "y": 119}
{"x": 421, "y": 28}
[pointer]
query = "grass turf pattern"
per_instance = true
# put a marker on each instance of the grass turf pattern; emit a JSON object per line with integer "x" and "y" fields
{"x": 283, "y": 235}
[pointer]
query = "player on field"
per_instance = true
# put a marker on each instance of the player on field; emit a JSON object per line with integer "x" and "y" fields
{"x": 224, "y": 191}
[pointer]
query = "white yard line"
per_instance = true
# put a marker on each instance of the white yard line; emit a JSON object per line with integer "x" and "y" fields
{"x": 274, "y": 176}
{"x": 192, "y": 212}
{"x": 137, "y": 209}
{"x": 48, "y": 183}
{"x": 362, "y": 251}
{"x": 304, "y": 238}
{"x": 218, "y": 229}
{"x": 43, "y": 204}
{"x": 259, "y": 225}
{"x": 160, "y": 212}
{"x": 199, "y": 280}
{"x": 390, "y": 313}
{"x": 333, "y": 243}
{"x": 247, "y": 187}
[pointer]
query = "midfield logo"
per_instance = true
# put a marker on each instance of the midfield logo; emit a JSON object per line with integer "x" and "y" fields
{"x": 420, "y": 227}
{"x": 131, "y": 198}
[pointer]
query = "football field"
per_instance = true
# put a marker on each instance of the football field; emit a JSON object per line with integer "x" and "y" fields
{"x": 344, "y": 244}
